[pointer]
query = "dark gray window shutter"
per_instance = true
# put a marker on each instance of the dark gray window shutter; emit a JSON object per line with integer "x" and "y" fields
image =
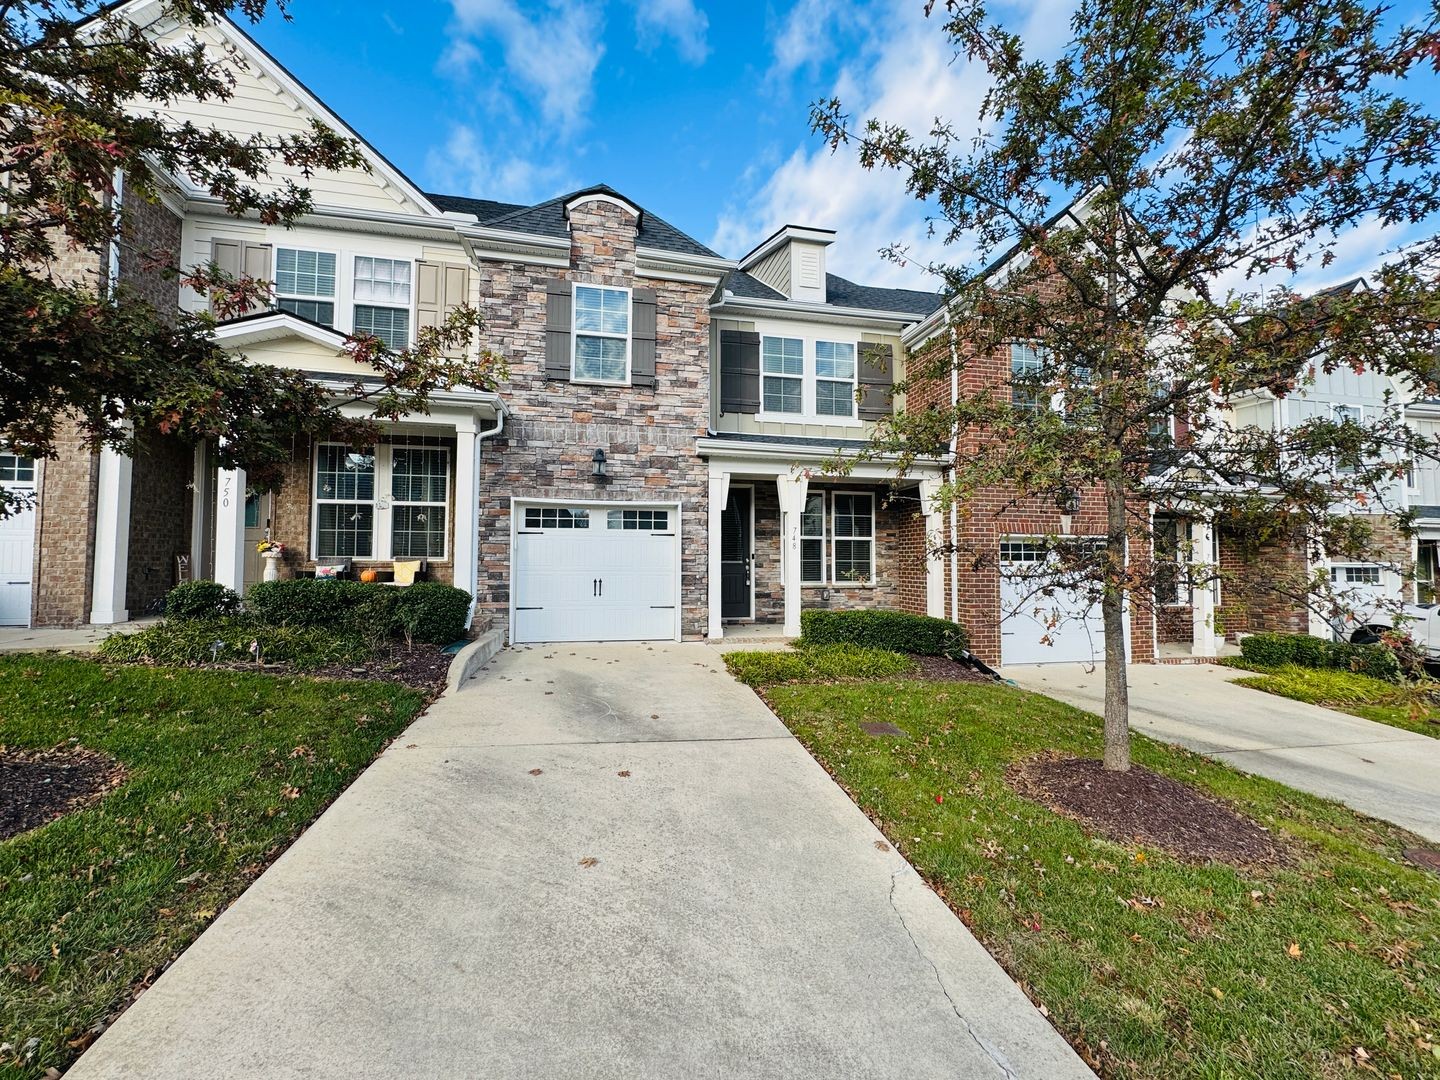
{"x": 877, "y": 380}
{"x": 739, "y": 371}
{"x": 558, "y": 301}
{"x": 642, "y": 338}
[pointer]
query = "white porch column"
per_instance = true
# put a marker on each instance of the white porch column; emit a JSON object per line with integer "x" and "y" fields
{"x": 934, "y": 536}
{"x": 719, "y": 495}
{"x": 1202, "y": 597}
{"x": 466, "y": 532}
{"x": 792, "y": 490}
{"x": 230, "y": 529}
{"x": 112, "y": 539}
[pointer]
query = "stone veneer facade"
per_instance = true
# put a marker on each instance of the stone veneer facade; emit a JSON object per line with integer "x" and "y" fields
{"x": 648, "y": 435}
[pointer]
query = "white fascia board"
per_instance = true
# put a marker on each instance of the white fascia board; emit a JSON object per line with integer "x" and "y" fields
{"x": 777, "y": 457}
{"x": 198, "y": 203}
{"x": 732, "y": 306}
{"x": 277, "y": 324}
{"x": 681, "y": 266}
{"x": 782, "y": 236}
{"x": 506, "y": 245}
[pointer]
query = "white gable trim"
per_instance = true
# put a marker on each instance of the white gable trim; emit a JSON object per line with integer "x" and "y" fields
{"x": 601, "y": 197}
{"x": 274, "y": 326}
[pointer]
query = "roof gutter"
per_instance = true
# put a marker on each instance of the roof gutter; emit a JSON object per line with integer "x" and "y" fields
{"x": 747, "y": 305}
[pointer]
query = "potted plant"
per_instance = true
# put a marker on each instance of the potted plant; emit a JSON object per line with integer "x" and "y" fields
{"x": 272, "y": 551}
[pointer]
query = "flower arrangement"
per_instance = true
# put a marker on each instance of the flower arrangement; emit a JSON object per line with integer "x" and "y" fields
{"x": 270, "y": 547}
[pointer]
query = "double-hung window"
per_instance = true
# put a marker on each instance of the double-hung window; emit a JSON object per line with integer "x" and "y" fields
{"x": 305, "y": 284}
{"x": 419, "y": 485}
{"x": 602, "y": 335}
{"x": 1026, "y": 363}
{"x": 812, "y": 540}
{"x": 853, "y": 545}
{"x": 382, "y": 299}
{"x": 782, "y": 367}
{"x": 16, "y": 469}
{"x": 834, "y": 378}
{"x": 344, "y": 502}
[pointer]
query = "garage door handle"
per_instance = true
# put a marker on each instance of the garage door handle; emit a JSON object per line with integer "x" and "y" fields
{"x": 529, "y": 609}
{"x": 662, "y": 607}
{"x": 17, "y": 583}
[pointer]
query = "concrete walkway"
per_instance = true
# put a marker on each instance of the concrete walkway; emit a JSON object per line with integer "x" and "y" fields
{"x": 1380, "y": 770}
{"x": 64, "y": 639}
{"x": 592, "y": 861}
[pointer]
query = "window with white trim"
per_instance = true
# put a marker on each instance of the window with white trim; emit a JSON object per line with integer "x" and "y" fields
{"x": 419, "y": 490}
{"x": 344, "y": 502}
{"x": 812, "y": 540}
{"x": 382, "y": 299}
{"x": 1346, "y": 414}
{"x": 852, "y": 542}
{"x": 305, "y": 284}
{"x": 1026, "y": 362}
{"x": 1355, "y": 575}
{"x": 834, "y": 378}
{"x": 782, "y": 374}
{"x": 16, "y": 469}
{"x": 556, "y": 517}
{"x": 601, "y": 338}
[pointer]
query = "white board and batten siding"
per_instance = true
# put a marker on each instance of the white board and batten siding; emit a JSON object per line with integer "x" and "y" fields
{"x": 594, "y": 571}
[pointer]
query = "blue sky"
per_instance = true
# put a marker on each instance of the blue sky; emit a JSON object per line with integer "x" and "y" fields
{"x": 699, "y": 111}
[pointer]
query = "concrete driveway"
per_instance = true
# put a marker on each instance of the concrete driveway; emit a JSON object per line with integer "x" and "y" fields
{"x": 1374, "y": 768}
{"x": 593, "y": 861}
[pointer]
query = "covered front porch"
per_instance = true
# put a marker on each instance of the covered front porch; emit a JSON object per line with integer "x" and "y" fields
{"x": 784, "y": 536}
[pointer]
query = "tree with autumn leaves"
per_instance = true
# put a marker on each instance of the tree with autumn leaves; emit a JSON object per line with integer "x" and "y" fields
{"x": 84, "y": 93}
{"x": 1208, "y": 153}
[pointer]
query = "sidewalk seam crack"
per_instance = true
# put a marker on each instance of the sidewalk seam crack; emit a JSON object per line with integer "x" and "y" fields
{"x": 990, "y": 1052}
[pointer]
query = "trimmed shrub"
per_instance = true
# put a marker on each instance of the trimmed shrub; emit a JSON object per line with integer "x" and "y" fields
{"x": 1272, "y": 650}
{"x": 763, "y": 668}
{"x": 897, "y": 631}
{"x": 200, "y": 600}
{"x": 348, "y": 606}
{"x": 430, "y": 611}
{"x": 197, "y": 641}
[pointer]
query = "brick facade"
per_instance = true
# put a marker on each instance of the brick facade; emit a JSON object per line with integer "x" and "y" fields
{"x": 65, "y": 534}
{"x": 648, "y": 435}
{"x": 159, "y": 519}
{"x": 1260, "y": 584}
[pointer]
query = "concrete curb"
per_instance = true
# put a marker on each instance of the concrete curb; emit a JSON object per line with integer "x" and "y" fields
{"x": 472, "y": 657}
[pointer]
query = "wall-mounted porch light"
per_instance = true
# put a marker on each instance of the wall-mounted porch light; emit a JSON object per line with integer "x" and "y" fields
{"x": 1068, "y": 503}
{"x": 597, "y": 466}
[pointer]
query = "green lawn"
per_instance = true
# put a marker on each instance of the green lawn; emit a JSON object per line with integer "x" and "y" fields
{"x": 1326, "y": 967}
{"x": 225, "y": 770}
{"x": 1410, "y": 706}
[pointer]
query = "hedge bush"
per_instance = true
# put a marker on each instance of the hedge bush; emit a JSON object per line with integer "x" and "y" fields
{"x": 200, "y": 600}
{"x": 310, "y": 603}
{"x": 897, "y": 631}
{"x": 203, "y": 641}
{"x": 1270, "y": 650}
{"x": 764, "y": 668}
{"x": 430, "y": 611}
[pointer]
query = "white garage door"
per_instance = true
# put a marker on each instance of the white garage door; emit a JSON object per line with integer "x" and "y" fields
{"x": 17, "y": 542}
{"x": 1062, "y": 627}
{"x": 1367, "y": 590}
{"x": 595, "y": 572}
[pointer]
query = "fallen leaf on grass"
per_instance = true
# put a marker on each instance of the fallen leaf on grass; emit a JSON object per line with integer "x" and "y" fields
{"x": 1293, "y": 950}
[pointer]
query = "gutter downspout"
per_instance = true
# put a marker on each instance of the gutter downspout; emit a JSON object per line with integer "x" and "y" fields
{"x": 954, "y": 457}
{"x": 480, "y": 437}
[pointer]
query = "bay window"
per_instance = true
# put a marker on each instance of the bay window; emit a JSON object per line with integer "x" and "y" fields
{"x": 305, "y": 284}
{"x": 382, "y": 299}
{"x": 834, "y": 378}
{"x": 602, "y": 335}
{"x": 782, "y": 373}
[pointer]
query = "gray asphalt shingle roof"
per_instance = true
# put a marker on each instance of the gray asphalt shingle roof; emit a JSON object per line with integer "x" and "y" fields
{"x": 548, "y": 219}
{"x": 840, "y": 292}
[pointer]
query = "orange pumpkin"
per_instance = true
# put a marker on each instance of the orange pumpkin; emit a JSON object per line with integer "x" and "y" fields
{"x": 369, "y": 575}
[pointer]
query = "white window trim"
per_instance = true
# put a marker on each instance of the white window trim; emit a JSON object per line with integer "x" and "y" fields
{"x": 344, "y": 298}
{"x": 808, "y": 377}
{"x": 333, "y": 299}
{"x": 834, "y": 577}
{"x": 627, "y": 337}
{"x": 854, "y": 380}
{"x": 382, "y": 535}
{"x": 824, "y": 497}
{"x": 396, "y": 503}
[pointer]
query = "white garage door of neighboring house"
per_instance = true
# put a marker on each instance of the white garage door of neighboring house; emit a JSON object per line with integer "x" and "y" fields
{"x": 595, "y": 572}
{"x": 1365, "y": 587}
{"x": 17, "y": 542}
{"x": 1026, "y": 633}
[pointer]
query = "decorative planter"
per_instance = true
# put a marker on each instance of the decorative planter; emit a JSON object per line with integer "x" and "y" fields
{"x": 272, "y": 564}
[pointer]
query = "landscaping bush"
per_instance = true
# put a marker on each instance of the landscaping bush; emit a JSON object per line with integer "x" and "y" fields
{"x": 203, "y": 641}
{"x": 430, "y": 611}
{"x": 200, "y": 600}
{"x": 763, "y": 668}
{"x": 349, "y": 606}
{"x": 1271, "y": 650}
{"x": 898, "y": 631}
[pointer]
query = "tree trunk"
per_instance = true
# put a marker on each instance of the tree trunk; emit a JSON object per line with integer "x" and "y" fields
{"x": 1117, "y": 684}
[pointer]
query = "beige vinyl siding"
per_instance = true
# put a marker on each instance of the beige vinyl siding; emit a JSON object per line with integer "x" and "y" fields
{"x": 774, "y": 270}
{"x": 261, "y": 105}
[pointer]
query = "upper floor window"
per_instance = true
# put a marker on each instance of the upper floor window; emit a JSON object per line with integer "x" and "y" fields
{"x": 382, "y": 299}
{"x": 602, "y": 335}
{"x": 305, "y": 284}
{"x": 834, "y": 378}
{"x": 1026, "y": 362}
{"x": 782, "y": 372}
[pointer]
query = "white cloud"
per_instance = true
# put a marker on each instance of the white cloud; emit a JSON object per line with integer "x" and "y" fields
{"x": 549, "y": 52}
{"x": 463, "y": 166}
{"x": 806, "y": 36}
{"x": 679, "y": 20}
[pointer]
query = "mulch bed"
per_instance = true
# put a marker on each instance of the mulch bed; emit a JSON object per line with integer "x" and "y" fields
{"x": 943, "y": 669}
{"x": 38, "y": 786}
{"x": 423, "y": 667}
{"x": 1143, "y": 806}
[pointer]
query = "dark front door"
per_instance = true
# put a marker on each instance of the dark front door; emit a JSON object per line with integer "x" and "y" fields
{"x": 736, "y": 556}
